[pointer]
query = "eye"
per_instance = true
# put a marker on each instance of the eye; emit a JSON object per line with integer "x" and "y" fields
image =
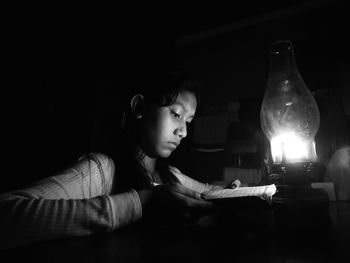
{"x": 178, "y": 116}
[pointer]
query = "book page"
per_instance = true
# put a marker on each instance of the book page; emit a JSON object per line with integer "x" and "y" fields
{"x": 266, "y": 192}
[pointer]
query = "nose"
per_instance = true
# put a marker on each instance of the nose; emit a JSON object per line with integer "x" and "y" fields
{"x": 181, "y": 131}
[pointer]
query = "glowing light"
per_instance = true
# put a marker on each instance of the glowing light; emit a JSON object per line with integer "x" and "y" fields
{"x": 289, "y": 147}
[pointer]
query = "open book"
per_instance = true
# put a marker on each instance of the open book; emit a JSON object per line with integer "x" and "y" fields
{"x": 264, "y": 192}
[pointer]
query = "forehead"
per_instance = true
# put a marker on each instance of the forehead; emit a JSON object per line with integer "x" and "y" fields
{"x": 187, "y": 100}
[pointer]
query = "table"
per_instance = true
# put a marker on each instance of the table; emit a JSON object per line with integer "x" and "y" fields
{"x": 225, "y": 236}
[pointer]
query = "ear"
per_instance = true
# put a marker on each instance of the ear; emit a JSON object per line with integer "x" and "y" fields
{"x": 137, "y": 106}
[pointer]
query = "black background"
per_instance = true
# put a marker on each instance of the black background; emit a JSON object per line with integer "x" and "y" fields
{"x": 63, "y": 63}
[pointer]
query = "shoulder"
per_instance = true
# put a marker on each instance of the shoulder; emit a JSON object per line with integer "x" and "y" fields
{"x": 102, "y": 160}
{"x": 96, "y": 156}
{"x": 175, "y": 171}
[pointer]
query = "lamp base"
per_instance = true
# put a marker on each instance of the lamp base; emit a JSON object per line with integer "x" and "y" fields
{"x": 295, "y": 173}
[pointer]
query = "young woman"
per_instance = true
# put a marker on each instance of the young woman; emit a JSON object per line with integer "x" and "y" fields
{"x": 101, "y": 193}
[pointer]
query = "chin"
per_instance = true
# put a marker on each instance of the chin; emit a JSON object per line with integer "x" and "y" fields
{"x": 165, "y": 153}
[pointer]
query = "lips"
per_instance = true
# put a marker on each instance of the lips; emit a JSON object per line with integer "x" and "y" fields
{"x": 175, "y": 144}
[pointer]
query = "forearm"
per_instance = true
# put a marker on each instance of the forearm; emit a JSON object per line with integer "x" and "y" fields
{"x": 27, "y": 220}
{"x": 193, "y": 184}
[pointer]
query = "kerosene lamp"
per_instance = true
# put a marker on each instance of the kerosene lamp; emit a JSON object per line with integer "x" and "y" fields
{"x": 290, "y": 120}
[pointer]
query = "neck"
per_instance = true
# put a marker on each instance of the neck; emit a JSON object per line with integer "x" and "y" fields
{"x": 149, "y": 163}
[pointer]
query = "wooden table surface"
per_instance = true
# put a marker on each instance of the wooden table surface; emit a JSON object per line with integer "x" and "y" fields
{"x": 248, "y": 236}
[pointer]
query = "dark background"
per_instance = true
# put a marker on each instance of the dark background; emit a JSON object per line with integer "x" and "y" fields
{"x": 67, "y": 67}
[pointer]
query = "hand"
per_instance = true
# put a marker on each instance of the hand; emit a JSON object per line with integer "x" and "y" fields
{"x": 172, "y": 203}
{"x": 234, "y": 184}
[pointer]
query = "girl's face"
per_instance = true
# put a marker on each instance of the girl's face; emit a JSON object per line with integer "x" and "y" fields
{"x": 165, "y": 127}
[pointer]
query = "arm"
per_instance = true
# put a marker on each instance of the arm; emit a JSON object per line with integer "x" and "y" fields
{"x": 172, "y": 204}
{"x": 73, "y": 203}
{"x": 193, "y": 184}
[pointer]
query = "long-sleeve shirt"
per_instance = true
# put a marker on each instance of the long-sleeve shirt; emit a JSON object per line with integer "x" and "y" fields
{"x": 75, "y": 202}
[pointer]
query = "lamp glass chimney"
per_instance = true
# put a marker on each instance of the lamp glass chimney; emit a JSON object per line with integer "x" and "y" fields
{"x": 289, "y": 114}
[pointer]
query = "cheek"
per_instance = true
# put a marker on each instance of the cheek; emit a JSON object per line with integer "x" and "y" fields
{"x": 155, "y": 128}
{"x": 163, "y": 127}
{"x": 161, "y": 133}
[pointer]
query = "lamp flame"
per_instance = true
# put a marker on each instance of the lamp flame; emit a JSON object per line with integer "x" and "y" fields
{"x": 289, "y": 147}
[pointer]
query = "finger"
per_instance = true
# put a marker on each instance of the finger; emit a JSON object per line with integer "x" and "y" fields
{"x": 190, "y": 202}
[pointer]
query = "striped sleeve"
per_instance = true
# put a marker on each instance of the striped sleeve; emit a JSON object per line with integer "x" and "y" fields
{"x": 76, "y": 202}
{"x": 91, "y": 176}
{"x": 191, "y": 183}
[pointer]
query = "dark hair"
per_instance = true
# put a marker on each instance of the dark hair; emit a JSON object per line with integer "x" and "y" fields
{"x": 161, "y": 90}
